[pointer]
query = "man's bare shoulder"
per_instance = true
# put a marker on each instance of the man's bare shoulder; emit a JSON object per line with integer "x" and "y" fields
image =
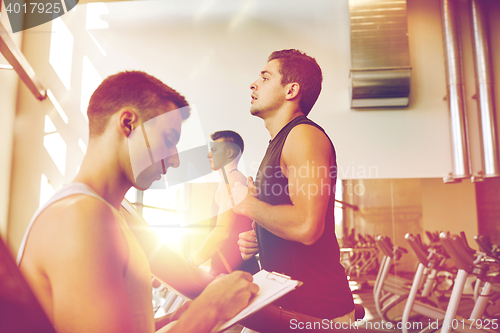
{"x": 77, "y": 210}
{"x": 308, "y": 134}
{"x": 236, "y": 176}
{"x": 71, "y": 227}
{"x": 232, "y": 177}
{"x": 307, "y": 140}
{"x": 77, "y": 250}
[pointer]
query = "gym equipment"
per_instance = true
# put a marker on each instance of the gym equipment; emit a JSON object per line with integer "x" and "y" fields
{"x": 389, "y": 290}
{"x": 457, "y": 248}
{"x": 469, "y": 262}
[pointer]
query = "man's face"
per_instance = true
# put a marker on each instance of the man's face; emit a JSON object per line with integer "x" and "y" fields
{"x": 153, "y": 146}
{"x": 218, "y": 154}
{"x": 267, "y": 92}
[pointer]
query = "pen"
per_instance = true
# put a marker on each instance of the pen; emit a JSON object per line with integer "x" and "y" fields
{"x": 224, "y": 261}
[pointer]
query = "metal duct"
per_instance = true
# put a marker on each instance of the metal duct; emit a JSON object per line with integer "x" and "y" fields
{"x": 459, "y": 139}
{"x": 380, "y": 59}
{"x": 484, "y": 87}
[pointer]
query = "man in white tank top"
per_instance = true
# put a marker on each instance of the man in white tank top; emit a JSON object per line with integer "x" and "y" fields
{"x": 79, "y": 256}
{"x": 221, "y": 245}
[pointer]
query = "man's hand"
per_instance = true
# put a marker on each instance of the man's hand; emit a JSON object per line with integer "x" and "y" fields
{"x": 248, "y": 243}
{"x": 228, "y": 294}
{"x": 243, "y": 196}
{"x": 252, "y": 189}
{"x": 221, "y": 300}
{"x": 162, "y": 324}
{"x": 178, "y": 313}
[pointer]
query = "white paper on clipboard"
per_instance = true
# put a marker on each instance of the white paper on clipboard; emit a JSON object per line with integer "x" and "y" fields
{"x": 271, "y": 287}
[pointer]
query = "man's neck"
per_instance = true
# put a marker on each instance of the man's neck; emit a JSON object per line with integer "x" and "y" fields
{"x": 101, "y": 172}
{"x": 275, "y": 122}
{"x": 228, "y": 168}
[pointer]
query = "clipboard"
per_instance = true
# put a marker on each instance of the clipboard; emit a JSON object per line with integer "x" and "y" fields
{"x": 272, "y": 286}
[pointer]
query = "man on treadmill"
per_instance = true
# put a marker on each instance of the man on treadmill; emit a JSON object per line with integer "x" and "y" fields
{"x": 292, "y": 200}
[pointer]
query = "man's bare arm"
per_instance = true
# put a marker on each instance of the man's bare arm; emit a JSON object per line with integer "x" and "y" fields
{"x": 85, "y": 262}
{"x": 160, "y": 322}
{"x": 215, "y": 239}
{"x": 226, "y": 220}
{"x": 220, "y": 300}
{"x": 167, "y": 266}
{"x": 306, "y": 149}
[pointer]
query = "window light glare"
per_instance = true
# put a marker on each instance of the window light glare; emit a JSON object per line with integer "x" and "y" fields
{"x": 61, "y": 51}
{"x": 46, "y": 190}
{"x": 90, "y": 81}
{"x": 82, "y": 145}
{"x": 49, "y": 125}
{"x": 58, "y": 107}
{"x": 56, "y": 147}
{"x": 93, "y": 20}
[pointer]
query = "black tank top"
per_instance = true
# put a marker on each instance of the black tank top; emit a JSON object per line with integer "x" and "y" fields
{"x": 325, "y": 293}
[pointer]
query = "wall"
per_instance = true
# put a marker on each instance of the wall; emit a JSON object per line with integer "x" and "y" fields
{"x": 9, "y": 81}
{"x": 450, "y": 207}
{"x": 211, "y": 52}
{"x": 387, "y": 207}
{"x": 488, "y": 208}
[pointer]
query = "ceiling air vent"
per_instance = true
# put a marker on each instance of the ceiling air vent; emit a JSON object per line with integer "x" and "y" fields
{"x": 380, "y": 59}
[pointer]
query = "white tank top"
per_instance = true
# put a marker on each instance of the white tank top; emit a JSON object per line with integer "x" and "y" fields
{"x": 138, "y": 274}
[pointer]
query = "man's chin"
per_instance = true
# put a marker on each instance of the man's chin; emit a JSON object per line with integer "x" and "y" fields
{"x": 143, "y": 183}
{"x": 143, "y": 187}
{"x": 255, "y": 112}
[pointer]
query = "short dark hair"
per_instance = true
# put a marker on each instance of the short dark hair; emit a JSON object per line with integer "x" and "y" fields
{"x": 229, "y": 136}
{"x": 135, "y": 89}
{"x": 296, "y": 66}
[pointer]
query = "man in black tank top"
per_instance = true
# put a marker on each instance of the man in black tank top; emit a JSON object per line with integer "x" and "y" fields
{"x": 292, "y": 200}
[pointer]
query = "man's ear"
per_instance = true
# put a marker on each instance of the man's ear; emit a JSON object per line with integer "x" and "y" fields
{"x": 230, "y": 153}
{"x": 129, "y": 120}
{"x": 293, "y": 90}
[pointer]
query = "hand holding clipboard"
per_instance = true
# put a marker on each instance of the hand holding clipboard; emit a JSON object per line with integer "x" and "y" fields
{"x": 272, "y": 286}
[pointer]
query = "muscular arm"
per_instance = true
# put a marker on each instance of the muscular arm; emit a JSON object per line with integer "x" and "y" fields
{"x": 226, "y": 220}
{"x": 166, "y": 265}
{"x": 306, "y": 160}
{"x": 220, "y": 299}
{"x": 78, "y": 247}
